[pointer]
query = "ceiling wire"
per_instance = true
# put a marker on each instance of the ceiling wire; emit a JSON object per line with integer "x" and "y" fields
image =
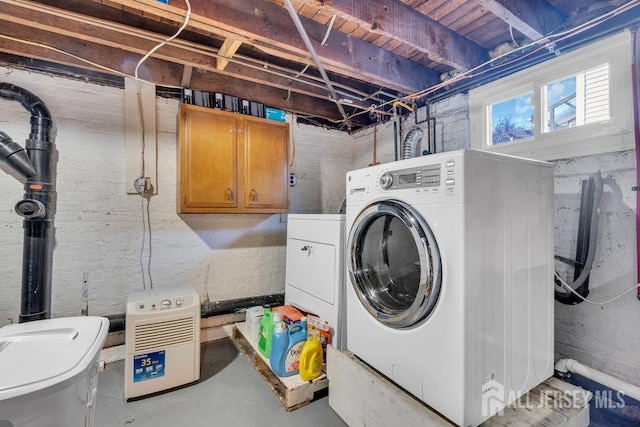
{"x": 305, "y": 38}
{"x": 511, "y": 34}
{"x": 249, "y": 62}
{"x": 139, "y": 94}
{"x": 86, "y": 61}
{"x": 546, "y": 42}
{"x": 362, "y": 95}
{"x": 326, "y": 36}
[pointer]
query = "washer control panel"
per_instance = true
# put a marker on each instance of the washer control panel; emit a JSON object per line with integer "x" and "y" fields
{"x": 417, "y": 177}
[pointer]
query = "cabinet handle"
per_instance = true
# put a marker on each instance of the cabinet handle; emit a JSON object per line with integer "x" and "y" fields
{"x": 253, "y": 195}
{"x": 229, "y": 194}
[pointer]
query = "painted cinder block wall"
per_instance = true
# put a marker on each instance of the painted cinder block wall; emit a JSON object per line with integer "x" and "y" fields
{"x": 99, "y": 228}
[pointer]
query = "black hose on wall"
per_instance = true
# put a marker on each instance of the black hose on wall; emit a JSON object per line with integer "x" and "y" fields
{"x": 37, "y": 207}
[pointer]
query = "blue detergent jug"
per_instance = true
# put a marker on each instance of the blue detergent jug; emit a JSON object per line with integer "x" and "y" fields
{"x": 286, "y": 348}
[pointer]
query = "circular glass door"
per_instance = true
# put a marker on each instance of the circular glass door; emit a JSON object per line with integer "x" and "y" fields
{"x": 394, "y": 264}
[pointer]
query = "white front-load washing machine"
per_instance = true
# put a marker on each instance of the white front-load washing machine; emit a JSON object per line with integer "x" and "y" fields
{"x": 450, "y": 265}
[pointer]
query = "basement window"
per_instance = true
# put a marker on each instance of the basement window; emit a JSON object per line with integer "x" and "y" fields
{"x": 577, "y": 104}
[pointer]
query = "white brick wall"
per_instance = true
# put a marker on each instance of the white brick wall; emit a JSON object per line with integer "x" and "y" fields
{"x": 605, "y": 337}
{"x": 99, "y": 226}
{"x": 321, "y": 160}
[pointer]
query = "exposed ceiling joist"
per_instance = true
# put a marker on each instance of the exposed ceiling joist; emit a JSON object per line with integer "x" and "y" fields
{"x": 154, "y": 70}
{"x": 268, "y": 27}
{"x": 374, "y": 52}
{"x": 535, "y": 18}
{"x": 227, "y": 50}
{"x": 161, "y": 72}
{"x": 405, "y": 24}
{"x": 282, "y": 99}
{"x": 137, "y": 42}
{"x": 187, "y": 72}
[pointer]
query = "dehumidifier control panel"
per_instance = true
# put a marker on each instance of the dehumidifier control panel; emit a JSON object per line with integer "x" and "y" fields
{"x": 172, "y": 303}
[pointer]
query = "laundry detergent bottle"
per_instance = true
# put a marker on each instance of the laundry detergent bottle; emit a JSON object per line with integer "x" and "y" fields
{"x": 287, "y": 362}
{"x": 311, "y": 357}
{"x": 265, "y": 332}
{"x": 279, "y": 346}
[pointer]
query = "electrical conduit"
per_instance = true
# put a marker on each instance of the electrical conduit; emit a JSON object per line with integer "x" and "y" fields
{"x": 316, "y": 59}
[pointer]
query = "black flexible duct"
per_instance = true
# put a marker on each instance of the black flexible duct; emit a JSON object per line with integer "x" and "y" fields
{"x": 586, "y": 242}
{"x": 38, "y": 205}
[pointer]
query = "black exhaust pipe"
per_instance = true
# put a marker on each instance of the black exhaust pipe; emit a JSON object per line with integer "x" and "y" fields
{"x": 38, "y": 207}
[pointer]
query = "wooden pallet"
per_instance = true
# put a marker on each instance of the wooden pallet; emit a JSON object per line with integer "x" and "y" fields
{"x": 292, "y": 391}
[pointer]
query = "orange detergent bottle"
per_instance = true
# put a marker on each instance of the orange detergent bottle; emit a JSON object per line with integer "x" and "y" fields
{"x": 311, "y": 357}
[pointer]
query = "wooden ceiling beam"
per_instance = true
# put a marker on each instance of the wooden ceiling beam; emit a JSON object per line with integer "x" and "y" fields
{"x": 160, "y": 72}
{"x": 135, "y": 41}
{"x": 187, "y": 72}
{"x": 534, "y": 18}
{"x": 227, "y": 50}
{"x": 402, "y": 23}
{"x": 268, "y": 27}
{"x": 277, "y": 98}
{"x": 31, "y": 43}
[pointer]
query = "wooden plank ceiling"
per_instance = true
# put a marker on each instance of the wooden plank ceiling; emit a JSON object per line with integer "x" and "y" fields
{"x": 372, "y": 52}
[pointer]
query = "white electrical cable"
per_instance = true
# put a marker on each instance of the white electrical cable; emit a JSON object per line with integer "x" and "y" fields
{"x": 71, "y": 55}
{"x": 563, "y": 283}
{"x": 144, "y": 238}
{"x": 545, "y": 41}
{"x": 159, "y": 45}
{"x": 512, "y": 38}
{"x": 135, "y": 73}
{"x": 326, "y": 36}
{"x": 150, "y": 246}
{"x": 143, "y": 148}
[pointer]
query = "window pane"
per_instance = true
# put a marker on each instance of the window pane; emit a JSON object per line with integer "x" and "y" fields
{"x": 577, "y": 100}
{"x": 512, "y": 120}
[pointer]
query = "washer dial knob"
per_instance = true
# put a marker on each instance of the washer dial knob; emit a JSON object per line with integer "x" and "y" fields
{"x": 166, "y": 303}
{"x": 386, "y": 181}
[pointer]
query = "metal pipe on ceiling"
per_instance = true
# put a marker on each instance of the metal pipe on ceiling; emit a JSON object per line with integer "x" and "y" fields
{"x": 316, "y": 59}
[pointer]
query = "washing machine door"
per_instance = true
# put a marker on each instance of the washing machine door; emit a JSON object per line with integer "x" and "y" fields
{"x": 394, "y": 265}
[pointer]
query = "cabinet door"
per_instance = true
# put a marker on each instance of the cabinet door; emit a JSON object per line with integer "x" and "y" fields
{"x": 266, "y": 165}
{"x": 208, "y": 174}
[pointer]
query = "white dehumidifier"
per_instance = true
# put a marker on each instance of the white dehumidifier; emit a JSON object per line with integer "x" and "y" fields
{"x": 162, "y": 340}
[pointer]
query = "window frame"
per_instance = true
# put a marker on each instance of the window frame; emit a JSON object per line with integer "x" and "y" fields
{"x": 615, "y": 134}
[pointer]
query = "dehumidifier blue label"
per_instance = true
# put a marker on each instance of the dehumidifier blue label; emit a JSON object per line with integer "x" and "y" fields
{"x": 148, "y": 366}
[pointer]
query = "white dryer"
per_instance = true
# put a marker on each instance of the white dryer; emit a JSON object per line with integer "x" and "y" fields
{"x": 315, "y": 268}
{"x": 450, "y": 288}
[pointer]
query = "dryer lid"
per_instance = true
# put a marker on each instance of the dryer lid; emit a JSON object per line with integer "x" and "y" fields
{"x": 394, "y": 264}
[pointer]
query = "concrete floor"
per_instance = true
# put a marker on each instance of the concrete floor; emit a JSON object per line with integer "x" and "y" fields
{"x": 230, "y": 393}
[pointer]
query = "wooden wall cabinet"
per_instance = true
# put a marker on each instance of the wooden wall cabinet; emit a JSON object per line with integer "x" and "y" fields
{"x": 231, "y": 163}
